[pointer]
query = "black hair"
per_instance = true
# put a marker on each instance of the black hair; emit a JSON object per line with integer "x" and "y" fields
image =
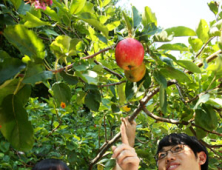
{"x": 182, "y": 138}
{"x": 50, "y": 164}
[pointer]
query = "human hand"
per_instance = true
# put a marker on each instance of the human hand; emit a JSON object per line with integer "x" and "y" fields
{"x": 124, "y": 154}
{"x": 130, "y": 130}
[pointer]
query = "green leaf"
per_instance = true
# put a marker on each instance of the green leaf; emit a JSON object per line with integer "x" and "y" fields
{"x": 213, "y": 7}
{"x": 26, "y": 41}
{"x": 167, "y": 60}
{"x": 8, "y": 88}
{"x": 87, "y": 17}
{"x": 163, "y": 99}
{"x": 36, "y": 74}
{"x": 24, "y": 94}
{"x": 148, "y": 30}
{"x": 202, "y": 31}
{"x": 146, "y": 80}
{"x": 127, "y": 22}
{"x": 76, "y": 6}
{"x": 115, "y": 108}
{"x": 136, "y": 17}
{"x": 121, "y": 93}
{"x": 88, "y": 7}
{"x": 62, "y": 93}
{"x": 15, "y": 125}
{"x": 93, "y": 99}
{"x": 33, "y": 21}
{"x": 130, "y": 90}
{"x": 24, "y": 7}
{"x": 80, "y": 97}
{"x": 195, "y": 43}
{"x": 200, "y": 133}
{"x": 203, "y": 99}
{"x": 106, "y": 2}
{"x": 72, "y": 80}
{"x": 148, "y": 17}
{"x": 214, "y": 31}
{"x": 64, "y": 46}
{"x": 217, "y": 102}
{"x": 163, "y": 37}
{"x": 189, "y": 65}
{"x": 91, "y": 77}
{"x": 206, "y": 117}
{"x": 101, "y": 38}
{"x": 16, "y": 3}
{"x": 160, "y": 79}
{"x": 110, "y": 164}
{"x": 9, "y": 67}
{"x": 52, "y": 14}
{"x": 111, "y": 26}
{"x": 173, "y": 73}
{"x": 216, "y": 67}
{"x": 176, "y": 47}
{"x": 180, "y": 31}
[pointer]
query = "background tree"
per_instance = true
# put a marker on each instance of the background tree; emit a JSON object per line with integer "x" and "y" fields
{"x": 62, "y": 94}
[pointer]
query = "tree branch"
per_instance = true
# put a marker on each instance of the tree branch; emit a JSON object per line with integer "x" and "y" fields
{"x": 208, "y": 59}
{"x": 112, "y": 84}
{"x": 131, "y": 118}
{"x": 203, "y": 47}
{"x": 110, "y": 71}
{"x": 101, "y": 51}
{"x": 98, "y": 63}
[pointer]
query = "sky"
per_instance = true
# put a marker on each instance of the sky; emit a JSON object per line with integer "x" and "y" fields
{"x": 170, "y": 13}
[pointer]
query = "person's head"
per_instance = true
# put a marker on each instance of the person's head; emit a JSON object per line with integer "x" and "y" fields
{"x": 182, "y": 152}
{"x": 50, "y": 164}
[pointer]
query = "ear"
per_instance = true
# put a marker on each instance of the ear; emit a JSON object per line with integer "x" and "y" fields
{"x": 202, "y": 157}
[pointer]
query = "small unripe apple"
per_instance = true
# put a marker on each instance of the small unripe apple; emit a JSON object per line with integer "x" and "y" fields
{"x": 137, "y": 74}
{"x": 129, "y": 54}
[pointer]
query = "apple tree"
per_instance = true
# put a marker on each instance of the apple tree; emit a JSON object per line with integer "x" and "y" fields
{"x": 62, "y": 93}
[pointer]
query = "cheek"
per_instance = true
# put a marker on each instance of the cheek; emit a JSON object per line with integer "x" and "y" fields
{"x": 161, "y": 165}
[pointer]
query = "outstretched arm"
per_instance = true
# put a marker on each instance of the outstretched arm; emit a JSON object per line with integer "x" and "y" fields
{"x": 125, "y": 154}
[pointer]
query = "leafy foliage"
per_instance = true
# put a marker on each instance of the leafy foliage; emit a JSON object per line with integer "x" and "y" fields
{"x": 62, "y": 93}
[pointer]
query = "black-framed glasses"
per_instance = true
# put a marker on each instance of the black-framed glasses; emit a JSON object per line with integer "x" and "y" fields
{"x": 174, "y": 149}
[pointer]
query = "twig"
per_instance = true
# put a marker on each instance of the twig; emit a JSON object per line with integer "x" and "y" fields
{"x": 105, "y": 128}
{"x": 112, "y": 84}
{"x": 203, "y": 47}
{"x": 210, "y": 147}
{"x": 213, "y": 132}
{"x": 180, "y": 93}
{"x": 110, "y": 71}
{"x": 101, "y": 51}
{"x": 208, "y": 59}
{"x": 172, "y": 121}
{"x": 207, "y": 91}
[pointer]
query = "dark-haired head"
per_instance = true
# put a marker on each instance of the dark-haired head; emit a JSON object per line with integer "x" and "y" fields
{"x": 182, "y": 138}
{"x": 50, "y": 164}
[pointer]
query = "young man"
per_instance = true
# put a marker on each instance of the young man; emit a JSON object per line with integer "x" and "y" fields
{"x": 175, "y": 152}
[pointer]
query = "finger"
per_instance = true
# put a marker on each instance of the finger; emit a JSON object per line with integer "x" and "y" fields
{"x": 124, "y": 121}
{"x": 113, "y": 148}
{"x": 125, "y": 154}
{"x": 132, "y": 162}
{"x": 128, "y": 123}
{"x": 123, "y": 134}
{"x": 118, "y": 150}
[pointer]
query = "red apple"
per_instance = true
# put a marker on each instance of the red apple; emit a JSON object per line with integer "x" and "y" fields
{"x": 137, "y": 74}
{"x": 129, "y": 54}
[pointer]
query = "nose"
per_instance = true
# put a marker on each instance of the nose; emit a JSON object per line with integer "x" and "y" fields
{"x": 170, "y": 157}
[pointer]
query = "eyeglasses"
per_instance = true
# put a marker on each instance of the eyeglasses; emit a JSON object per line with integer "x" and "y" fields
{"x": 175, "y": 149}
